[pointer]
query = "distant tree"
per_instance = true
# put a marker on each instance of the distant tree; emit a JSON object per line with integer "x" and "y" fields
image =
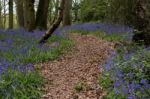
{"x": 93, "y": 10}
{"x": 42, "y": 14}
{"x": 20, "y": 12}
{"x": 55, "y": 25}
{"x": 67, "y": 13}
{"x": 29, "y": 15}
{"x": 75, "y": 9}
{"x": 50, "y": 9}
{"x": 121, "y": 11}
{"x": 4, "y": 13}
{"x": 56, "y": 6}
{"x": 10, "y": 14}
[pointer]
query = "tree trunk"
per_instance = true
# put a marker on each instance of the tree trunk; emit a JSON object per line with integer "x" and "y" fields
{"x": 10, "y": 14}
{"x": 75, "y": 10}
{"x": 42, "y": 14}
{"x": 1, "y": 24}
{"x": 76, "y": 15}
{"x": 142, "y": 19}
{"x": 29, "y": 15}
{"x": 55, "y": 25}
{"x": 20, "y": 12}
{"x": 67, "y": 13}
{"x": 56, "y": 11}
{"x": 49, "y": 16}
{"x": 4, "y": 21}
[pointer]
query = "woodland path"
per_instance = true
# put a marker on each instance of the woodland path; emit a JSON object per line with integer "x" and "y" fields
{"x": 83, "y": 63}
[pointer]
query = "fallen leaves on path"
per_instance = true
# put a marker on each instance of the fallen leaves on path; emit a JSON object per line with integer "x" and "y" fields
{"x": 84, "y": 63}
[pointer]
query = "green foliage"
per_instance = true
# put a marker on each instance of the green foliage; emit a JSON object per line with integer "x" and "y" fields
{"x": 105, "y": 81}
{"x": 18, "y": 85}
{"x": 103, "y": 35}
{"x": 118, "y": 11}
{"x": 26, "y": 85}
{"x": 115, "y": 37}
{"x": 39, "y": 56}
{"x": 121, "y": 11}
{"x": 57, "y": 44}
{"x": 126, "y": 70}
{"x": 93, "y": 10}
{"x": 80, "y": 86}
{"x": 82, "y": 32}
{"x": 112, "y": 95}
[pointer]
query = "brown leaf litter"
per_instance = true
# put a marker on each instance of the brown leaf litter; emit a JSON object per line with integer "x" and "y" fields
{"x": 84, "y": 63}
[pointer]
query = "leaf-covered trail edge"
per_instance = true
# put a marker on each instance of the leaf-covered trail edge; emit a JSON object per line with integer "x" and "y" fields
{"x": 82, "y": 64}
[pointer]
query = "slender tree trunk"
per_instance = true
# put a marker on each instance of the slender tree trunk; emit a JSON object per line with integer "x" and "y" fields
{"x": 10, "y": 14}
{"x": 29, "y": 15}
{"x": 1, "y": 24}
{"x": 55, "y": 25}
{"x": 76, "y": 10}
{"x": 42, "y": 14}
{"x": 76, "y": 15}
{"x": 56, "y": 11}
{"x": 50, "y": 9}
{"x": 4, "y": 21}
{"x": 67, "y": 13}
{"x": 20, "y": 12}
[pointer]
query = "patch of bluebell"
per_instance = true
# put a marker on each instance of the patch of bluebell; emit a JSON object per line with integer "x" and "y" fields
{"x": 129, "y": 71}
{"x": 18, "y": 43}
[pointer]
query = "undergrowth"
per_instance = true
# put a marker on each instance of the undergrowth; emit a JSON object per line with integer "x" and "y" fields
{"x": 18, "y": 85}
{"x": 19, "y": 79}
{"x": 101, "y": 34}
{"x": 126, "y": 72}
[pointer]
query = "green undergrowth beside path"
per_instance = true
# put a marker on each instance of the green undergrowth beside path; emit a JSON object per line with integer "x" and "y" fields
{"x": 126, "y": 73}
{"x": 59, "y": 45}
{"x": 22, "y": 84}
{"x": 102, "y": 35}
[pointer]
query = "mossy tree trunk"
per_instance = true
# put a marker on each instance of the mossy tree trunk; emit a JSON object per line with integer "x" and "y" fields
{"x": 10, "y": 14}
{"x": 55, "y": 25}
{"x": 20, "y": 12}
{"x": 67, "y": 13}
{"x": 29, "y": 15}
{"x": 42, "y": 14}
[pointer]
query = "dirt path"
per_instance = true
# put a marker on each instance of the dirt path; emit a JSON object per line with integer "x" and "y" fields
{"x": 83, "y": 64}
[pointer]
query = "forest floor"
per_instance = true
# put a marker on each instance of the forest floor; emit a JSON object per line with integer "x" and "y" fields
{"x": 74, "y": 75}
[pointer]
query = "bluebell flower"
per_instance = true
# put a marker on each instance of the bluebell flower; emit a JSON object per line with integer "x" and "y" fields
{"x": 117, "y": 83}
{"x": 143, "y": 81}
{"x": 131, "y": 97}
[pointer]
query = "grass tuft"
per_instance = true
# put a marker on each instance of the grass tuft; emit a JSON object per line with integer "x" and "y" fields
{"x": 80, "y": 86}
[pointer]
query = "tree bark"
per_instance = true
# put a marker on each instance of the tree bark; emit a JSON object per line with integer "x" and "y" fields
{"x": 10, "y": 14}
{"x": 42, "y": 14}
{"x": 67, "y": 13}
{"x": 55, "y": 25}
{"x": 20, "y": 12}
{"x": 29, "y": 15}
